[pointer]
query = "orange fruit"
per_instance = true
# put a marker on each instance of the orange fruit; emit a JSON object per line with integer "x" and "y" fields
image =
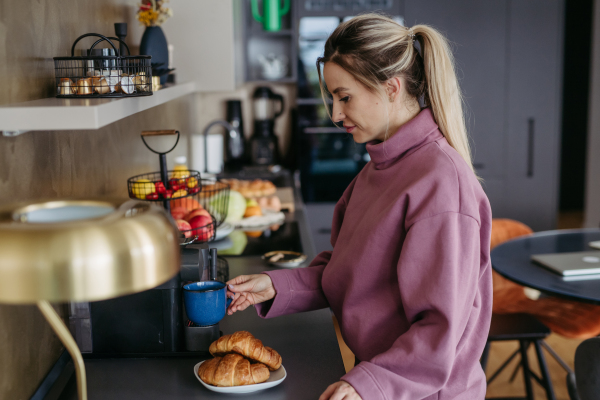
{"x": 187, "y": 202}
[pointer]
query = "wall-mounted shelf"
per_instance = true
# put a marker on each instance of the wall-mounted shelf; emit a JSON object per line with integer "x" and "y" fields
{"x": 75, "y": 114}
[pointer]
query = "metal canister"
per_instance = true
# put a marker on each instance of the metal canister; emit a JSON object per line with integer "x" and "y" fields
{"x": 65, "y": 86}
{"x": 84, "y": 86}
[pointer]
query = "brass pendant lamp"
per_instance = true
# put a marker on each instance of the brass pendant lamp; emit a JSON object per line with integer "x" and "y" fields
{"x": 74, "y": 250}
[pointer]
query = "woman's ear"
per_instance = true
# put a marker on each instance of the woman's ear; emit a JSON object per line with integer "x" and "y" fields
{"x": 392, "y": 88}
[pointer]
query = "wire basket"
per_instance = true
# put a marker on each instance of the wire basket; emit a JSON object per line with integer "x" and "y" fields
{"x": 200, "y": 203}
{"x": 150, "y": 186}
{"x": 102, "y": 76}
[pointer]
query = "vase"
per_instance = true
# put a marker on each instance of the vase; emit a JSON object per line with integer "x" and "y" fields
{"x": 154, "y": 43}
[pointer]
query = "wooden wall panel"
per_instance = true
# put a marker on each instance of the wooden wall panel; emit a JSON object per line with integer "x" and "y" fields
{"x": 56, "y": 164}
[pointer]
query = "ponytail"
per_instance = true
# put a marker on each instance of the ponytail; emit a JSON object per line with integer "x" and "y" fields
{"x": 442, "y": 90}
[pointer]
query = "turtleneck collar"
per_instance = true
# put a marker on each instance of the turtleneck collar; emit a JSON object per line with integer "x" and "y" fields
{"x": 418, "y": 131}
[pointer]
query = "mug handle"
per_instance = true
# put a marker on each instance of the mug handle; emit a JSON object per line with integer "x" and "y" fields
{"x": 255, "y": 12}
{"x": 229, "y": 300}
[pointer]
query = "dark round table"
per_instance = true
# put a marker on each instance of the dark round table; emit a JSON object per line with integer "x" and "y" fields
{"x": 512, "y": 260}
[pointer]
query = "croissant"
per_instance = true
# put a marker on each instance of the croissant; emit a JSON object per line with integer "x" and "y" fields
{"x": 232, "y": 370}
{"x": 244, "y": 343}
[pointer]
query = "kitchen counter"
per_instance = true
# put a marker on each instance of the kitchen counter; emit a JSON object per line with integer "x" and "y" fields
{"x": 306, "y": 342}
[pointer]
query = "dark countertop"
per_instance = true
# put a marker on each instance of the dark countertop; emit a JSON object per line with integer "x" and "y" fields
{"x": 306, "y": 342}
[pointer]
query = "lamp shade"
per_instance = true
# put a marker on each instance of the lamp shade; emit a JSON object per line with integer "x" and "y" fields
{"x": 76, "y": 250}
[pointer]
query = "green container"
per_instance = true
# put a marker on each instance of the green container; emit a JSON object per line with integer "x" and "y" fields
{"x": 272, "y": 13}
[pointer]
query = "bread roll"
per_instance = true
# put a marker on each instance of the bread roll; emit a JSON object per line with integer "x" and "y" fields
{"x": 247, "y": 345}
{"x": 232, "y": 370}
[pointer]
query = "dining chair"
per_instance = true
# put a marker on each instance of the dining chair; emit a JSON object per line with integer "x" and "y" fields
{"x": 587, "y": 370}
{"x": 527, "y": 330}
{"x": 517, "y": 326}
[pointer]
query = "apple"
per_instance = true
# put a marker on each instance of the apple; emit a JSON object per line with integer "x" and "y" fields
{"x": 199, "y": 225}
{"x": 195, "y": 213}
{"x": 179, "y": 212}
{"x": 168, "y": 194}
{"x": 152, "y": 196}
{"x": 174, "y": 184}
{"x": 194, "y": 190}
{"x": 184, "y": 227}
{"x": 186, "y": 202}
{"x": 160, "y": 187}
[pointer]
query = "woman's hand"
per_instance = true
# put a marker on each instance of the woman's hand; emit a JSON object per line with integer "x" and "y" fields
{"x": 246, "y": 290}
{"x": 340, "y": 391}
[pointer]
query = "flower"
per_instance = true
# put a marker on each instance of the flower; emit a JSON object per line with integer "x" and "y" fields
{"x": 153, "y": 12}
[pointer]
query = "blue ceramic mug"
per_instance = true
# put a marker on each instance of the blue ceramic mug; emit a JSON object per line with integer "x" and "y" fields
{"x": 205, "y": 302}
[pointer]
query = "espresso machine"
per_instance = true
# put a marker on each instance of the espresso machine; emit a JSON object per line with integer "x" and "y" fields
{"x": 154, "y": 323}
{"x": 263, "y": 144}
{"x": 151, "y": 323}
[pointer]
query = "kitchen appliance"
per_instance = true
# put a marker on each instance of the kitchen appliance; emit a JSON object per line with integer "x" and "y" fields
{"x": 153, "y": 322}
{"x": 235, "y": 141}
{"x": 264, "y": 144}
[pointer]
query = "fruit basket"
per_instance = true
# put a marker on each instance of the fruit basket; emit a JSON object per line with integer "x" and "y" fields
{"x": 211, "y": 201}
{"x": 197, "y": 205}
{"x": 151, "y": 187}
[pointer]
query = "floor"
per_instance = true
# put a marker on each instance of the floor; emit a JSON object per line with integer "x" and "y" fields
{"x": 502, "y": 385}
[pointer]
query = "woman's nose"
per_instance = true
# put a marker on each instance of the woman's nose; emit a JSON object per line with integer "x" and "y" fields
{"x": 337, "y": 114}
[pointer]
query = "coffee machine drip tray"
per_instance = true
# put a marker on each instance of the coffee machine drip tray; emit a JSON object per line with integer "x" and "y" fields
{"x": 199, "y": 338}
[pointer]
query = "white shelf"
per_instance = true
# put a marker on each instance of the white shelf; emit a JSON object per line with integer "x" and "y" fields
{"x": 70, "y": 114}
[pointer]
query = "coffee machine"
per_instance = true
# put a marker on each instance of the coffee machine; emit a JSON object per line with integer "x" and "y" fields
{"x": 263, "y": 144}
{"x": 151, "y": 323}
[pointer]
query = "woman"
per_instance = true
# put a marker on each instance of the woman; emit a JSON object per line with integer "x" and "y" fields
{"x": 409, "y": 277}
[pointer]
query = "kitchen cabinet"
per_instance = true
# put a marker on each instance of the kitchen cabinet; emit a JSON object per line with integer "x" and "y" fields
{"x": 203, "y": 38}
{"x": 217, "y": 44}
{"x": 257, "y": 43}
{"x": 509, "y": 64}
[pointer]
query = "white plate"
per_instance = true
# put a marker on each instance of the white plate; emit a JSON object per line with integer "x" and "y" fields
{"x": 223, "y": 231}
{"x": 275, "y": 379}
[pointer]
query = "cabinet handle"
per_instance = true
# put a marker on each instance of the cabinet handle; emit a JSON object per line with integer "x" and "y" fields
{"x": 530, "y": 141}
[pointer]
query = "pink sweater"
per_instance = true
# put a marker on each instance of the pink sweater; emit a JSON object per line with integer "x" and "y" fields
{"x": 409, "y": 277}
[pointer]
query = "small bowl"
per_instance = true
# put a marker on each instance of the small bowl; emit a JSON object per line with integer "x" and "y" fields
{"x": 284, "y": 258}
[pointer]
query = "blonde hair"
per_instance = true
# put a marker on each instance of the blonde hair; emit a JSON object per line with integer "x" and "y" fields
{"x": 374, "y": 48}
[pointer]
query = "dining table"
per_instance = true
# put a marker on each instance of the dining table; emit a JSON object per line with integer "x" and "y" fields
{"x": 512, "y": 260}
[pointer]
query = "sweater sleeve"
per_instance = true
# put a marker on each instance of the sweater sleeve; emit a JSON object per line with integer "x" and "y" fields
{"x": 439, "y": 277}
{"x": 300, "y": 289}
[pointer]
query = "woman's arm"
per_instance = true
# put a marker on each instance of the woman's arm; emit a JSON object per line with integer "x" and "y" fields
{"x": 300, "y": 289}
{"x": 445, "y": 295}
